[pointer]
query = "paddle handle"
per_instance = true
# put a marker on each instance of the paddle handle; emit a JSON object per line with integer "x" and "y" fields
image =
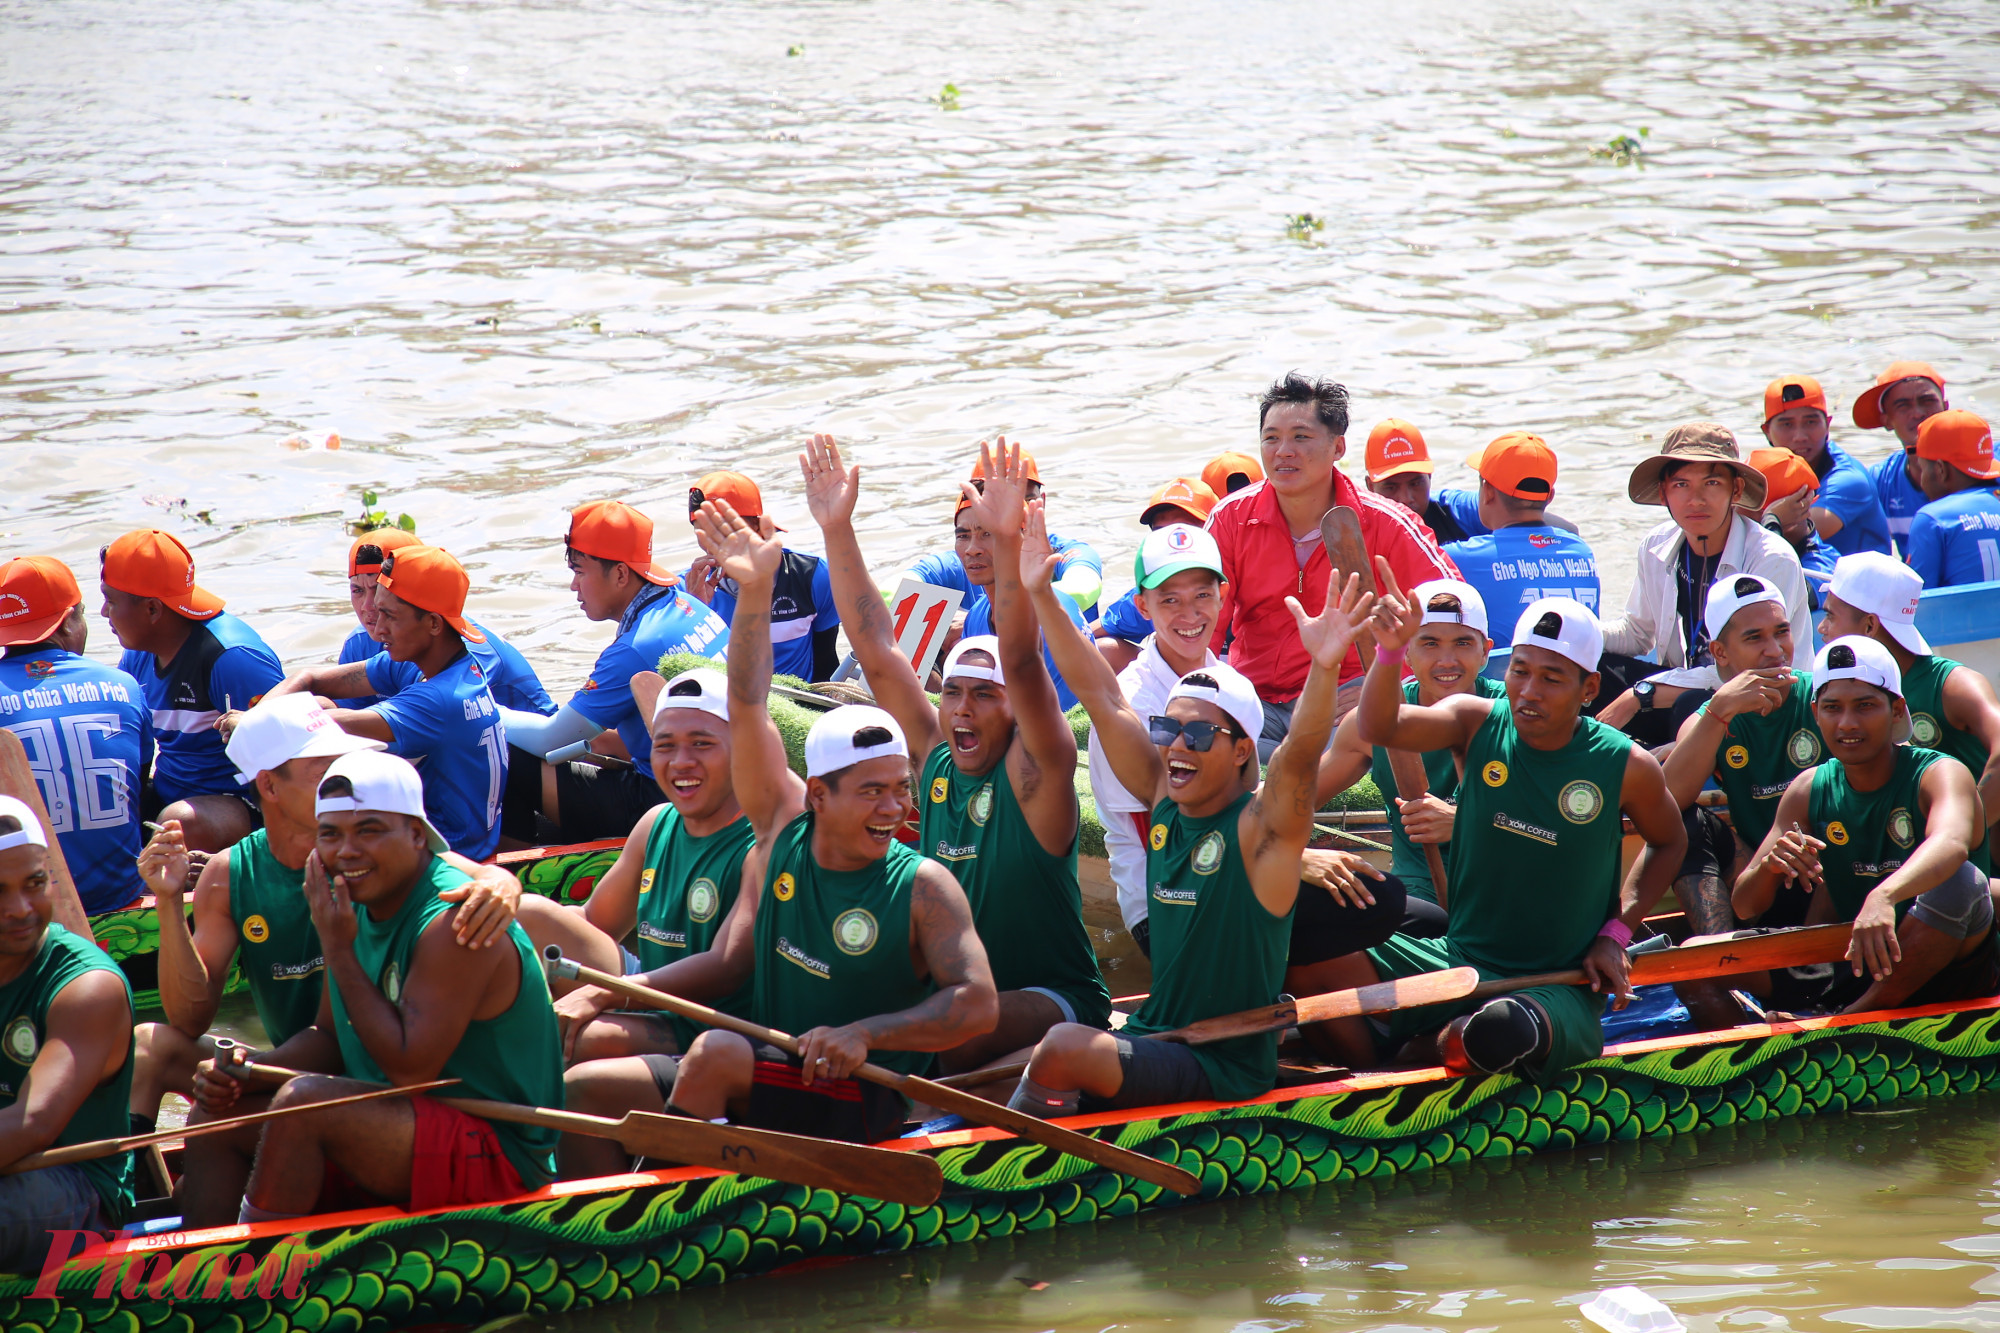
{"x": 1729, "y": 956}
{"x": 1412, "y": 782}
{"x": 272, "y": 1076}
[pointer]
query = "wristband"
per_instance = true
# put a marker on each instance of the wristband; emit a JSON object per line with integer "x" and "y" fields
{"x": 1617, "y": 932}
{"x": 1388, "y": 658}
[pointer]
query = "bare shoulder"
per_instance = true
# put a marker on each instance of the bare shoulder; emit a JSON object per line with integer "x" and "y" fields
{"x": 936, "y": 891}
{"x": 89, "y": 1001}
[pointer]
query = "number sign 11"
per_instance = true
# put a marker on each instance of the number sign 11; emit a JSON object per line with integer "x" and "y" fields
{"x": 923, "y": 612}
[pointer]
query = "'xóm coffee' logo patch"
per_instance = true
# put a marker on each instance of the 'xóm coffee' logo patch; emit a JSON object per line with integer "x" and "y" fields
{"x": 1580, "y": 802}
{"x": 1737, "y": 757}
{"x": 21, "y": 1042}
{"x": 1495, "y": 774}
{"x": 1207, "y": 858}
{"x": 256, "y": 929}
{"x": 703, "y": 898}
{"x": 980, "y": 807}
{"x": 854, "y": 931}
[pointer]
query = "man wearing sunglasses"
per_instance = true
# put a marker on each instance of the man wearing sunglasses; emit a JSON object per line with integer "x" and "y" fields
{"x": 997, "y": 806}
{"x": 1535, "y": 847}
{"x": 1223, "y": 861}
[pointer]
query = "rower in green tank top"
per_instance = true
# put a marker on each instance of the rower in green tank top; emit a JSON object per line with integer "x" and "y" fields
{"x": 858, "y": 946}
{"x": 1223, "y": 851}
{"x": 65, "y": 1057}
{"x": 1953, "y": 708}
{"x": 1535, "y": 883}
{"x": 405, "y": 1002}
{"x": 997, "y": 801}
{"x": 1881, "y": 833}
{"x": 280, "y": 950}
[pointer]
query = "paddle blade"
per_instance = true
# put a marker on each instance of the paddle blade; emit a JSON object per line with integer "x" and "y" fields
{"x": 908, "y": 1178}
{"x": 1122, "y": 1160}
{"x": 1384, "y": 996}
{"x": 1730, "y": 955}
{"x": 646, "y": 687}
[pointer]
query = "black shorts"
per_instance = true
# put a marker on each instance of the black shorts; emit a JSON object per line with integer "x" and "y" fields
{"x": 1157, "y": 1073}
{"x": 664, "y": 1069}
{"x": 1323, "y": 928}
{"x": 1973, "y": 977}
{"x": 849, "y": 1110}
{"x": 595, "y": 802}
{"x": 151, "y": 803}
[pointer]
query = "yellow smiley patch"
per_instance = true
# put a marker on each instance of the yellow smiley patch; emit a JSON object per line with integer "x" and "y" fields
{"x": 1836, "y": 833}
{"x": 1737, "y": 756}
{"x": 940, "y": 786}
{"x": 784, "y": 886}
{"x": 1495, "y": 774}
{"x": 646, "y": 881}
{"x": 256, "y": 929}
{"x": 1158, "y": 838}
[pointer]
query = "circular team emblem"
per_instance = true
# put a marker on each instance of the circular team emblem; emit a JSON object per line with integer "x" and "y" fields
{"x": 1924, "y": 730}
{"x": 1495, "y": 774}
{"x": 783, "y": 887}
{"x": 646, "y": 880}
{"x": 1157, "y": 839}
{"x": 256, "y": 929}
{"x": 702, "y": 900}
{"x": 854, "y": 931}
{"x": 939, "y": 787}
{"x": 1207, "y": 858}
{"x": 21, "y": 1042}
{"x": 1580, "y": 802}
{"x": 392, "y": 984}
{"x": 980, "y": 807}
{"x": 1803, "y": 748}
{"x": 1901, "y": 827}
{"x": 1737, "y": 756}
{"x": 1836, "y": 833}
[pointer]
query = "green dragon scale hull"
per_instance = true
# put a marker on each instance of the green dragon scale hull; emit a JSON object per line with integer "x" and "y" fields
{"x": 621, "y": 1238}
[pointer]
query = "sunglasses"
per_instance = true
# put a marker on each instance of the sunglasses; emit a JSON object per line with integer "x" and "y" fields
{"x": 1200, "y": 736}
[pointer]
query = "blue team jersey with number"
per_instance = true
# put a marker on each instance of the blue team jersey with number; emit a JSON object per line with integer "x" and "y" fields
{"x": 223, "y": 665}
{"x": 1957, "y": 539}
{"x": 89, "y": 737}
{"x": 449, "y": 727}
{"x": 659, "y": 621}
{"x": 513, "y": 682}
{"x": 1517, "y": 566}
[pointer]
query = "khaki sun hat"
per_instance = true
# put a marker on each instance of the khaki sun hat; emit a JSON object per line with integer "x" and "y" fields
{"x": 1695, "y": 442}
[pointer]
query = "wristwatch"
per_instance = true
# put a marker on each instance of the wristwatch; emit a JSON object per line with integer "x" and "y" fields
{"x": 1643, "y": 692}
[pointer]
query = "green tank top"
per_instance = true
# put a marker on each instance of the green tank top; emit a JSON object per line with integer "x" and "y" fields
{"x": 834, "y": 946}
{"x": 1534, "y": 868}
{"x": 1026, "y": 904}
{"x": 1923, "y": 690}
{"x": 1759, "y": 757}
{"x": 1868, "y": 834}
{"x": 1216, "y": 949}
{"x": 516, "y": 1057}
{"x": 280, "y": 949}
{"x": 685, "y": 893}
{"x": 1407, "y": 860}
{"x": 24, "y": 1019}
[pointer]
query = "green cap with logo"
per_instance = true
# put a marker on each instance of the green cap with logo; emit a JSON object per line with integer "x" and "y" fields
{"x": 1169, "y": 550}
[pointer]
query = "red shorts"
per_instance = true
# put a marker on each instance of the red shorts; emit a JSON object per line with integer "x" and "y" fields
{"x": 458, "y": 1160}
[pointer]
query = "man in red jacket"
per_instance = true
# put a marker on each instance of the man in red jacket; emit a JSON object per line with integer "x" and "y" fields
{"x": 1271, "y": 548}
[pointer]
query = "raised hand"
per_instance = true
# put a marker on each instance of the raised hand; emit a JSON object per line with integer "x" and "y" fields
{"x": 998, "y": 502}
{"x": 1397, "y": 618}
{"x": 1328, "y": 635}
{"x": 739, "y": 550}
{"x": 1757, "y": 692}
{"x": 163, "y": 862}
{"x": 831, "y": 488}
{"x": 332, "y": 910}
{"x": 1038, "y": 559}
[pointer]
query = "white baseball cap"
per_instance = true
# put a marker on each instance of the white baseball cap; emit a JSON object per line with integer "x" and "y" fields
{"x": 1226, "y": 688}
{"x": 956, "y": 665}
{"x": 1472, "y": 607}
{"x": 1562, "y": 625}
{"x": 1886, "y": 588}
{"x": 836, "y": 740}
{"x": 1169, "y": 550}
{"x": 377, "y": 781}
{"x": 703, "y": 689}
{"x": 285, "y": 727}
{"x": 1731, "y": 593}
{"x": 31, "y": 834}
{"x": 1857, "y": 657}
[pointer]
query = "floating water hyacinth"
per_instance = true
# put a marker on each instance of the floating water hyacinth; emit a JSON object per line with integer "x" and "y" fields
{"x": 796, "y": 49}
{"x": 947, "y": 98}
{"x": 1624, "y": 150}
{"x": 373, "y": 517}
{"x": 1304, "y": 227}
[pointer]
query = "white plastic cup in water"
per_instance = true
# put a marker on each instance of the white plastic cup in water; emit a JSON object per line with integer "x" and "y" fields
{"x": 1630, "y": 1310}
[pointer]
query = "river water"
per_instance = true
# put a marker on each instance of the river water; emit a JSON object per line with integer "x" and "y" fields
{"x": 521, "y": 255}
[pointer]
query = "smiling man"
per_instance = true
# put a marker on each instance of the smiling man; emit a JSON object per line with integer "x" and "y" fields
{"x": 1124, "y": 625}
{"x": 1848, "y": 513}
{"x": 1901, "y": 399}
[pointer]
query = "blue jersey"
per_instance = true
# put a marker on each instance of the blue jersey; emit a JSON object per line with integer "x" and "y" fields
{"x": 1901, "y": 498}
{"x": 89, "y": 737}
{"x": 659, "y": 621}
{"x": 1957, "y": 539}
{"x": 1463, "y": 506}
{"x": 946, "y": 572}
{"x": 450, "y": 729}
{"x": 1516, "y": 566}
{"x": 513, "y": 682}
{"x": 979, "y": 620}
{"x": 1848, "y": 491}
{"x": 801, "y": 607}
{"x": 223, "y": 665}
{"x": 1125, "y": 621}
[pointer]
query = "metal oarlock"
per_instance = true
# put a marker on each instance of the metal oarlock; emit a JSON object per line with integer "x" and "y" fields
{"x": 555, "y": 966}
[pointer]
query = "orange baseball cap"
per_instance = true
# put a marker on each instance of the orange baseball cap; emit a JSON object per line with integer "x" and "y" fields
{"x": 1790, "y": 391}
{"x": 1961, "y": 439}
{"x": 1230, "y": 472}
{"x": 1868, "y": 407}
{"x": 1395, "y": 447}
{"x": 430, "y": 579}
{"x": 1785, "y": 473}
{"x": 1029, "y": 472}
{"x": 1517, "y": 464}
{"x": 151, "y": 563}
{"x": 37, "y": 593}
{"x": 734, "y": 489}
{"x": 1181, "y": 493}
{"x": 613, "y": 530}
{"x": 365, "y": 556}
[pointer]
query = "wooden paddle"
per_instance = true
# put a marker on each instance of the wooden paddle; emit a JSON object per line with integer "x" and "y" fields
{"x": 1340, "y": 531}
{"x": 908, "y": 1178}
{"x": 18, "y": 780}
{"x": 1705, "y": 958}
{"x": 84, "y": 1152}
{"x": 975, "y": 1109}
{"x": 1399, "y": 993}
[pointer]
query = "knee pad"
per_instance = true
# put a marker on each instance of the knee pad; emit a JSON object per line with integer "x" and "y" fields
{"x": 1493, "y": 1040}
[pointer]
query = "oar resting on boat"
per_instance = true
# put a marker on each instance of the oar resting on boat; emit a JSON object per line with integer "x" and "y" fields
{"x": 976, "y": 1109}
{"x": 908, "y": 1178}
